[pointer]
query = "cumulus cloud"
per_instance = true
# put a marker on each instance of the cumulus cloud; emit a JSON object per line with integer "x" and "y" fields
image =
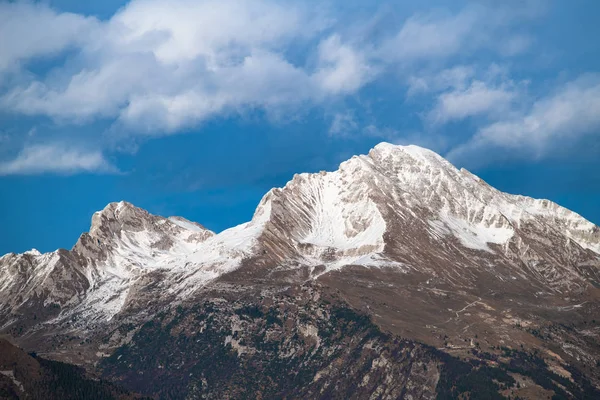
{"x": 218, "y": 31}
{"x": 55, "y": 158}
{"x": 179, "y": 62}
{"x": 261, "y": 80}
{"x": 159, "y": 67}
{"x": 567, "y": 115}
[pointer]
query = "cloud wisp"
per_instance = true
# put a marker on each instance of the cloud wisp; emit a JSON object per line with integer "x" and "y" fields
{"x": 56, "y": 158}
{"x": 564, "y": 116}
{"x": 462, "y": 92}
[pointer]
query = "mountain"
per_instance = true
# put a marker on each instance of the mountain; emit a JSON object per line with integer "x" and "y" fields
{"x": 397, "y": 275}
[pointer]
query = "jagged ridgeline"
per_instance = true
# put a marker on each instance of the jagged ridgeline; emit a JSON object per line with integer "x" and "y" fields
{"x": 396, "y": 276}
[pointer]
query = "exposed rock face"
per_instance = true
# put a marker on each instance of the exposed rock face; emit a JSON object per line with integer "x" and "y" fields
{"x": 425, "y": 251}
{"x": 294, "y": 346}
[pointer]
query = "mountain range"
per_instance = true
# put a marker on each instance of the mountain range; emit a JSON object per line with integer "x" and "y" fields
{"x": 395, "y": 276}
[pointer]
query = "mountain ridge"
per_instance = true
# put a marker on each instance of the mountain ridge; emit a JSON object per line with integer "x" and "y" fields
{"x": 414, "y": 149}
{"x": 320, "y": 215}
{"x": 428, "y": 252}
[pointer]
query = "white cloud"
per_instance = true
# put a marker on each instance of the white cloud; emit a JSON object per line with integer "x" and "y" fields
{"x": 343, "y": 123}
{"x": 168, "y": 65}
{"x": 456, "y": 77}
{"x": 565, "y": 116}
{"x": 437, "y": 36}
{"x": 219, "y": 31}
{"x": 34, "y": 30}
{"x": 477, "y": 99}
{"x": 95, "y": 92}
{"x": 465, "y": 91}
{"x": 432, "y": 36}
{"x": 54, "y": 158}
{"x": 342, "y": 69}
{"x": 262, "y": 80}
{"x": 158, "y": 66}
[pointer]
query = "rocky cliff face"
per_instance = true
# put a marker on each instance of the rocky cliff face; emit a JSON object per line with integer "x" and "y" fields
{"x": 424, "y": 251}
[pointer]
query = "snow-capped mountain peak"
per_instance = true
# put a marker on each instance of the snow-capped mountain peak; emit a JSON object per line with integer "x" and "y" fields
{"x": 401, "y": 207}
{"x": 428, "y": 251}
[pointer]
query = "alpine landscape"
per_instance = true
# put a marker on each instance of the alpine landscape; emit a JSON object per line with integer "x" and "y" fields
{"x": 299, "y": 199}
{"x": 395, "y": 276}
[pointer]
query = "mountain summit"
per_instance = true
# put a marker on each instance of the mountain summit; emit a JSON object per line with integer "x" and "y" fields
{"x": 427, "y": 252}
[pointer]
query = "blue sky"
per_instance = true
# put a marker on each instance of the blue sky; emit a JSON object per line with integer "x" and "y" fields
{"x": 198, "y": 107}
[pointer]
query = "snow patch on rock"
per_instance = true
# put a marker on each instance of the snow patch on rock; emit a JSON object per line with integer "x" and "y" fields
{"x": 472, "y": 236}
